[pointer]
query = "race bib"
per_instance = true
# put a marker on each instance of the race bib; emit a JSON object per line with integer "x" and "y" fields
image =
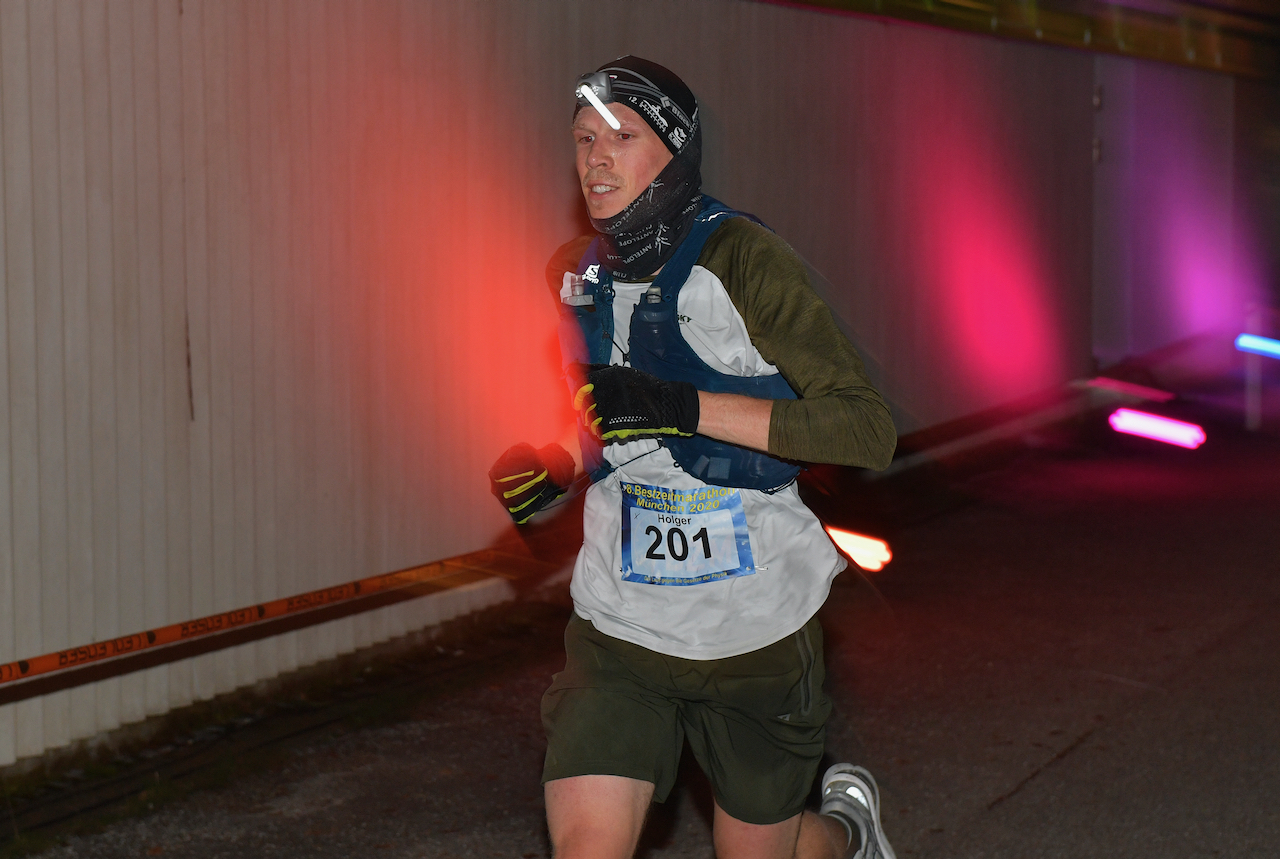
{"x": 683, "y": 537}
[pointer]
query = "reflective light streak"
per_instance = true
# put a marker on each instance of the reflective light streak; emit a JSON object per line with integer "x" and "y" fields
{"x": 1258, "y": 345}
{"x": 1149, "y": 426}
{"x": 1131, "y": 389}
{"x": 867, "y": 552}
{"x": 587, "y": 93}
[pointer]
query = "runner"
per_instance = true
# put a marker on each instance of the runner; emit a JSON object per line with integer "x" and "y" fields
{"x": 704, "y": 368}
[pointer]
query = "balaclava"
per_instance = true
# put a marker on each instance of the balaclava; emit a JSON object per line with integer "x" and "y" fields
{"x": 641, "y": 238}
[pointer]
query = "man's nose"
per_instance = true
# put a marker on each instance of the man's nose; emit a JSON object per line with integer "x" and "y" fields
{"x": 599, "y": 154}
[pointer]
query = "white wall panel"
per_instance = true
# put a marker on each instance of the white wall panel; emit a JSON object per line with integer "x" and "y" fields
{"x": 238, "y": 237}
{"x": 175, "y": 391}
{"x": 73, "y": 208}
{"x": 195, "y": 271}
{"x": 261, "y": 323}
{"x": 304, "y": 285}
{"x": 24, "y": 430}
{"x": 8, "y": 603}
{"x": 50, "y": 358}
{"x": 274, "y": 300}
{"x": 131, "y": 593}
{"x": 294, "y": 32}
{"x": 104, "y": 571}
{"x": 152, "y": 363}
{"x": 219, "y": 21}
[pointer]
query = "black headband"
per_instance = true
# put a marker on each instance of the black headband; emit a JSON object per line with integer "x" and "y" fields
{"x": 651, "y": 90}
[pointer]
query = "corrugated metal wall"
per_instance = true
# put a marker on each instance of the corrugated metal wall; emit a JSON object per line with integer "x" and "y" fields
{"x": 941, "y": 182}
{"x": 244, "y": 349}
{"x": 1170, "y": 259}
{"x": 273, "y": 294}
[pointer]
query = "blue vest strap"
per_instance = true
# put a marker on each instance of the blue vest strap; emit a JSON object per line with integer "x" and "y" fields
{"x": 657, "y": 346}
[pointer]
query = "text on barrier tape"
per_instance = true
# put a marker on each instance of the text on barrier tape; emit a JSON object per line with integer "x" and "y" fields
{"x": 24, "y": 669}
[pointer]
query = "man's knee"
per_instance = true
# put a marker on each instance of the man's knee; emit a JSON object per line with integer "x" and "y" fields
{"x": 737, "y": 839}
{"x": 596, "y": 816}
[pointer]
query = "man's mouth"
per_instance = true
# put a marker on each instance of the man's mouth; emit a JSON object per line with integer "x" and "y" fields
{"x": 601, "y": 184}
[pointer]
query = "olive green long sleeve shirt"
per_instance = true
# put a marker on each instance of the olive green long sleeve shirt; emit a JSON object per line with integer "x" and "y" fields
{"x": 839, "y": 417}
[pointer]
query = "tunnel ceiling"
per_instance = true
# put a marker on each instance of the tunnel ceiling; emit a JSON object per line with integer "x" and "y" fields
{"x": 1240, "y": 37}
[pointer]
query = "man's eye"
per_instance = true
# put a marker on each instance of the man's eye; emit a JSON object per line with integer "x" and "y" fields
{"x": 625, "y": 136}
{"x": 585, "y": 139}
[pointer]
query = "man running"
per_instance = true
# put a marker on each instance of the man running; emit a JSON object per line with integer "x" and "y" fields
{"x": 704, "y": 368}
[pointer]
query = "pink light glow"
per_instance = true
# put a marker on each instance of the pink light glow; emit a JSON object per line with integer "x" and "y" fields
{"x": 1208, "y": 292}
{"x": 1154, "y": 427}
{"x": 983, "y": 280}
{"x": 867, "y": 552}
{"x": 1206, "y": 265}
{"x": 991, "y": 288}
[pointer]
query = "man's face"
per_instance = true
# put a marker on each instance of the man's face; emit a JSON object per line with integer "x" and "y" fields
{"x": 615, "y": 166}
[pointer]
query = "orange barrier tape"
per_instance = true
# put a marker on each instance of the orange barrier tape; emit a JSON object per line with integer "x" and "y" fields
{"x": 483, "y": 562}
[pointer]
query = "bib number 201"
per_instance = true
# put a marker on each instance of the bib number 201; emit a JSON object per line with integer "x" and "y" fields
{"x": 674, "y": 535}
{"x": 683, "y": 537}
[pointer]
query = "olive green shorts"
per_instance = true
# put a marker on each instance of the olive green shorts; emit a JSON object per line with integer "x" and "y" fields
{"x": 755, "y": 722}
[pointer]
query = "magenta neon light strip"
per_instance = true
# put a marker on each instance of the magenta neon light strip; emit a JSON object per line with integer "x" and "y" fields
{"x": 1154, "y": 427}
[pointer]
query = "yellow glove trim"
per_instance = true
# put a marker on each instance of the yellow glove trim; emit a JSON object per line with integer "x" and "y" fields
{"x": 532, "y": 513}
{"x": 514, "y": 477}
{"x": 631, "y": 433}
{"x": 521, "y": 488}
{"x": 582, "y": 395}
{"x": 525, "y": 504}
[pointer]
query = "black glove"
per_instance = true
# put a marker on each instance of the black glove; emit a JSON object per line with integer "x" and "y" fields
{"x": 620, "y": 404}
{"x": 527, "y": 480}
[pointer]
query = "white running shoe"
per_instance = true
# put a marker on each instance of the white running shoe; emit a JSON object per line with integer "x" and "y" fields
{"x": 850, "y": 795}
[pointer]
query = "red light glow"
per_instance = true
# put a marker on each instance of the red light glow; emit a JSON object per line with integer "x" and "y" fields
{"x": 431, "y": 252}
{"x": 990, "y": 287}
{"x": 977, "y": 287}
{"x": 1153, "y": 394}
{"x": 867, "y": 552}
{"x": 1154, "y": 427}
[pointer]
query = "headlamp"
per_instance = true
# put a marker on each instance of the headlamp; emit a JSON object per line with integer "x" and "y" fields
{"x": 593, "y": 89}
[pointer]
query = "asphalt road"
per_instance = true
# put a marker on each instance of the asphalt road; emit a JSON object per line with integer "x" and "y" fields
{"x": 1075, "y": 652}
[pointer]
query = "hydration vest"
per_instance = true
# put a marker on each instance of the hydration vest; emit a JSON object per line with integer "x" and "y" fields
{"x": 657, "y": 347}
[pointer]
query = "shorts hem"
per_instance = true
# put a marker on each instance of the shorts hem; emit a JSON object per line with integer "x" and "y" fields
{"x": 600, "y": 768}
{"x": 592, "y": 768}
{"x": 760, "y": 819}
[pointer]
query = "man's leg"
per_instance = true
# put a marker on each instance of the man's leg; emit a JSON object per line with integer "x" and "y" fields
{"x": 848, "y": 824}
{"x": 805, "y": 836}
{"x": 596, "y": 816}
{"x": 821, "y": 836}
